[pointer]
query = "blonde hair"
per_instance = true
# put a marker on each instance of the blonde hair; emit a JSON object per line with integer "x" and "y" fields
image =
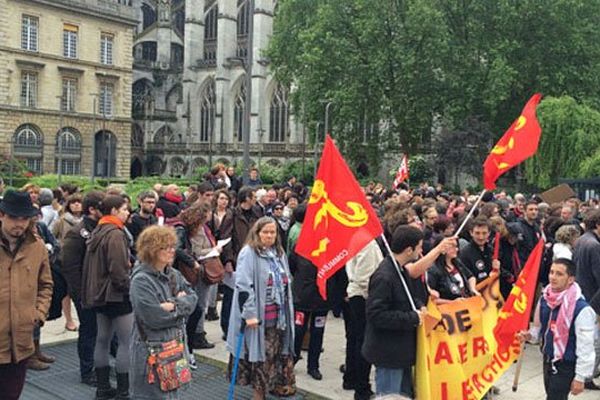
{"x": 152, "y": 240}
{"x": 566, "y": 234}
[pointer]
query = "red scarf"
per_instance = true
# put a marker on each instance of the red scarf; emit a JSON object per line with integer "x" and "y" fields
{"x": 173, "y": 198}
{"x": 566, "y": 300}
{"x": 111, "y": 219}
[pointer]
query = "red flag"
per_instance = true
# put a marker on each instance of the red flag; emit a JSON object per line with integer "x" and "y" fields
{"x": 402, "y": 173}
{"x": 496, "y": 246}
{"x": 514, "y": 316}
{"x": 339, "y": 220}
{"x": 519, "y": 143}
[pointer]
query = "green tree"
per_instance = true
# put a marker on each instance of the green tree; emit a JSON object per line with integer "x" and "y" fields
{"x": 569, "y": 145}
{"x": 400, "y": 65}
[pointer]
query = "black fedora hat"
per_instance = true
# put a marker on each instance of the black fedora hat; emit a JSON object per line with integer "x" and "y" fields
{"x": 17, "y": 204}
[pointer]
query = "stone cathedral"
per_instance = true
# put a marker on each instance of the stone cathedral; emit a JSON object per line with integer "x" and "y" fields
{"x": 190, "y": 88}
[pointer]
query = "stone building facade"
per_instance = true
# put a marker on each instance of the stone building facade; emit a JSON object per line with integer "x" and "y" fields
{"x": 65, "y": 85}
{"x": 189, "y": 90}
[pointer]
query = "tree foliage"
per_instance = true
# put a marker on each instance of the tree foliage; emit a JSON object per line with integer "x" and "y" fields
{"x": 400, "y": 65}
{"x": 570, "y": 142}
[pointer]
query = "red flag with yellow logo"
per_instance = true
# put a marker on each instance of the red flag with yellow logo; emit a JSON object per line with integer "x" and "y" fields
{"x": 339, "y": 220}
{"x": 519, "y": 142}
{"x": 515, "y": 313}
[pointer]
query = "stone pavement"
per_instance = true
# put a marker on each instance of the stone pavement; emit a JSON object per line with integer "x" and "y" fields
{"x": 212, "y": 384}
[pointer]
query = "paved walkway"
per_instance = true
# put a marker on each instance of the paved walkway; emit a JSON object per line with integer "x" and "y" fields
{"x": 56, "y": 383}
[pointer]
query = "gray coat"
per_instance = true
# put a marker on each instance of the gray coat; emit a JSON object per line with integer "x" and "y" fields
{"x": 252, "y": 274}
{"x": 149, "y": 288}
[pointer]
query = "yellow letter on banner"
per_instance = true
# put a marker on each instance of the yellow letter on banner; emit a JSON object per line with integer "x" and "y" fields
{"x": 458, "y": 359}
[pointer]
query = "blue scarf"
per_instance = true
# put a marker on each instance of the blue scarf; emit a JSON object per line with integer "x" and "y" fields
{"x": 278, "y": 289}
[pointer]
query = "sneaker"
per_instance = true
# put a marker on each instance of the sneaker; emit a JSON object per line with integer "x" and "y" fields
{"x": 193, "y": 363}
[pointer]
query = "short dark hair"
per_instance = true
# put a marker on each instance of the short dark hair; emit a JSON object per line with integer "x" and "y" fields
{"x": 592, "y": 219}
{"x": 530, "y": 202}
{"x": 244, "y": 193}
{"x": 480, "y": 222}
{"x": 111, "y": 201}
{"x": 205, "y": 187}
{"x": 569, "y": 264}
{"x": 300, "y": 213}
{"x": 405, "y": 236}
{"x": 146, "y": 194}
{"x": 92, "y": 200}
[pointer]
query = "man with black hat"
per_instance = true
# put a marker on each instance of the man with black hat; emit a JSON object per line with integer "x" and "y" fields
{"x": 25, "y": 289}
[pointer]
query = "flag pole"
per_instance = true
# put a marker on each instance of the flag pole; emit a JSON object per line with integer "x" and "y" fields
{"x": 404, "y": 285}
{"x": 515, "y": 385}
{"x": 470, "y": 214}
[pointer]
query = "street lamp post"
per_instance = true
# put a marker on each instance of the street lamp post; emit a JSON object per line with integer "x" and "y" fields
{"x": 189, "y": 137}
{"x": 329, "y": 103}
{"x": 316, "y": 148}
{"x": 248, "y": 106}
{"x": 60, "y": 134}
{"x": 92, "y": 169}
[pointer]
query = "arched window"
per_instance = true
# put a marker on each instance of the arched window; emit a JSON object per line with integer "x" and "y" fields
{"x": 243, "y": 18}
{"x": 105, "y": 154}
{"x": 148, "y": 15}
{"x": 142, "y": 97}
{"x": 210, "y": 32}
{"x": 207, "y": 112}
{"x": 176, "y": 55}
{"x": 137, "y": 137}
{"x": 174, "y": 97}
{"x": 279, "y": 115}
{"x": 238, "y": 111}
{"x": 177, "y": 167}
{"x": 164, "y": 135}
{"x": 179, "y": 21}
{"x": 68, "y": 152}
{"x": 28, "y": 144}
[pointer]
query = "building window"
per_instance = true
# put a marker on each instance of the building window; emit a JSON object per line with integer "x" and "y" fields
{"x": 28, "y": 89}
{"x": 149, "y": 51}
{"x": 279, "y": 115}
{"x": 29, "y": 33}
{"x": 68, "y": 152}
{"x": 69, "y": 94}
{"x": 148, "y": 16}
{"x": 210, "y": 32}
{"x": 106, "y": 49}
{"x": 106, "y": 99}
{"x": 207, "y": 112}
{"x": 177, "y": 167}
{"x": 70, "y": 40}
{"x": 27, "y": 146}
{"x": 238, "y": 112}
{"x": 243, "y": 18}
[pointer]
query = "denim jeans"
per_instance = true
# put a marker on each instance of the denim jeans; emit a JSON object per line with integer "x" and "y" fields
{"x": 393, "y": 381}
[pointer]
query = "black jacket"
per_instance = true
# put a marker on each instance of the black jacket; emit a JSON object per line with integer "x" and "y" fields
{"x": 183, "y": 251}
{"x": 138, "y": 223}
{"x": 440, "y": 279}
{"x": 531, "y": 236}
{"x": 169, "y": 208}
{"x": 478, "y": 261}
{"x": 390, "y": 333}
{"x": 73, "y": 253}
{"x": 587, "y": 258}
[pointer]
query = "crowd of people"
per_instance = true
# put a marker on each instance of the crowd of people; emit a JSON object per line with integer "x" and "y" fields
{"x": 145, "y": 274}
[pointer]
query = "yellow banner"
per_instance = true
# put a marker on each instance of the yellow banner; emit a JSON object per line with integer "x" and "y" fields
{"x": 458, "y": 359}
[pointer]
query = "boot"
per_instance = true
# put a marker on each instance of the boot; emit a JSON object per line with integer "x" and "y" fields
{"x": 45, "y": 358}
{"x": 199, "y": 342}
{"x": 36, "y": 364}
{"x": 211, "y": 314}
{"x": 103, "y": 389}
{"x": 122, "y": 386}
